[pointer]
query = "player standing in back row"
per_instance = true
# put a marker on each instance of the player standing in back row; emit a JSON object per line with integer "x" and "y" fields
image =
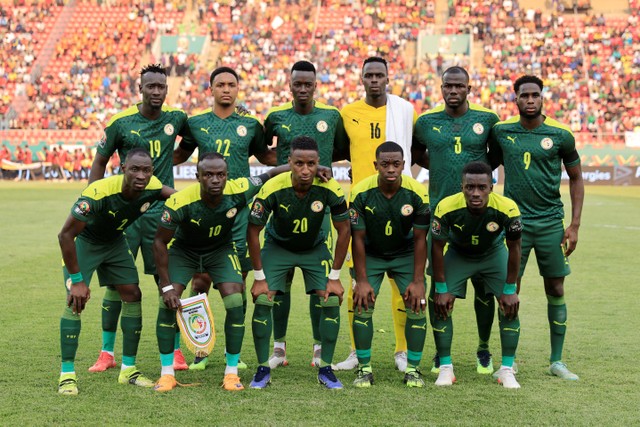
{"x": 455, "y": 134}
{"x": 533, "y": 148}
{"x": 153, "y": 126}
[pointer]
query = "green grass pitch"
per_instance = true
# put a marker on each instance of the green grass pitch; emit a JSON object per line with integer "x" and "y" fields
{"x": 602, "y": 345}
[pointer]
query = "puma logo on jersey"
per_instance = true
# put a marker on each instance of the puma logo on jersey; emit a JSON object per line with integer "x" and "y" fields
{"x": 196, "y": 222}
{"x": 205, "y": 130}
{"x": 357, "y": 121}
{"x": 262, "y": 322}
{"x": 512, "y": 139}
{"x": 439, "y": 330}
{"x": 113, "y": 213}
{"x": 437, "y": 129}
{"x": 459, "y": 226}
{"x": 359, "y": 322}
{"x": 367, "y": 208}
{"x": 136, "y": 132}
{"x": 329, "y": 319}
{"x": 287, "y": 127}
{"x": 286, "y": 208}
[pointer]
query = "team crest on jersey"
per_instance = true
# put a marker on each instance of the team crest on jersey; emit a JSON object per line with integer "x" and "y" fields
{"x": 68, "y": 284}
{"x": 322, "y": 126}
{"x": 241, "y": 130}
{"x": 353, "y": 216}
{"x": 103, "y": 140}
{"x": 478, "y": 129}
{"x": 82, "y": 208}
{"x": 144, "y": 207}
{"x": 436, "y": 228}
{"x": 317, "y": 206}
{"x": 232, "y": 212}
{"x": 492, "y": 226}
{"x": 546, "y": 143}
{"x": 166, "y": 217}
{"x": 406, "y": 210}
{"x": 257, "y": 210}
{"x": 169, "y": 129}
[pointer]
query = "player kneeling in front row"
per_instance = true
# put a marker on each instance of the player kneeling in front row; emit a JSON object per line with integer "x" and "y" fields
{"x": 201, "y": 218}
{"x": 92, "y": 240}
{"x": 389, "y": 221}
{"x": 296, "y": 203}
{"x": 475, "y": 224}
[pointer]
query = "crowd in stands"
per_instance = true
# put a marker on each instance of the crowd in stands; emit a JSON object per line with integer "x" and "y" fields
{"x": 56, "y": 163}
{"x": 590, "y": 63}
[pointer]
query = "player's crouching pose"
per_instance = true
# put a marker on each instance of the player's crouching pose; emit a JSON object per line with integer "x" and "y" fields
{"x": 201, "y": 218}
{"x": 92, "y": 240}
{"x": 475, "y": 223}
{"x": 296, "y": 203}
{"x": 389, "y": 221}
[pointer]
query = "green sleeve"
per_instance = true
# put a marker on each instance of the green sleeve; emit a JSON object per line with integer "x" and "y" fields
{"x": 495, "y": 151}
{"x": 85, "y": 208}
{"x": 188, "y": 142}
{"x": 268, "y": 131}
{"x": 439, "y": 227}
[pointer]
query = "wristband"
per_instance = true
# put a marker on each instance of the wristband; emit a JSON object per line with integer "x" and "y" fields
{"x": 259, "y": 275}
{"x": 441, "y": 288}
{"x": 509, "y": 289}
{"x": 167, "y": 289}
{"x": 334, "y": 274}
{"x": 76, "y": 277}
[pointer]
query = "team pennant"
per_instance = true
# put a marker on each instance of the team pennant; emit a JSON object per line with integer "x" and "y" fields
{"x": 196, "y": 325}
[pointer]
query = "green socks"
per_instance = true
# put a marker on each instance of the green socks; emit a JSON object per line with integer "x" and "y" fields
{"x": 363, "y": 334}
{"x": 111, "y": 306}
{"x": 234, "y": 323}
{"x": 131, "y": 328}
{"x": 557, "y": 315}
{"x": 485, "y": 308}
{"x": 329, "y": 328}
{"x": 415, "y": 331}
{"x": 166, "y": 327}
{"x": 261, "y": 326}
{"x": 70, "y": 326}
{"x": 281, "y": 309}
{"x": 509, "y": 337}
{"x": 315, "y": 311}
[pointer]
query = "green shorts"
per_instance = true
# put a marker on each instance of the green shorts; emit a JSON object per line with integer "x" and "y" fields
{"x": 140, "y": 236}
{"x": 112, "y": 261}
{"x": 546, "y": 238}
{"x": 314, "y": 263}
{"x": 239, "y": 236}
{"x": 222, "y": 265}
{"x": 491, "y": 270}
{"x": 399, "y": 268}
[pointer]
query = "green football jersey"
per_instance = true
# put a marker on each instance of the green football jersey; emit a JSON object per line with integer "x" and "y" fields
{"x": 475, "y": 235}
{"x": 452, "y": 143}
{"x": 533, "y": 164}
{"x": 130, "y": 129}
{"x": 389, "y": 223}
{"x": 106, "y": 212}
{"x": 201, "y": 228}
{"x": 323, "y": 124}
{"x": 237, "y": 138}
{"x": 296, "y": 222}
